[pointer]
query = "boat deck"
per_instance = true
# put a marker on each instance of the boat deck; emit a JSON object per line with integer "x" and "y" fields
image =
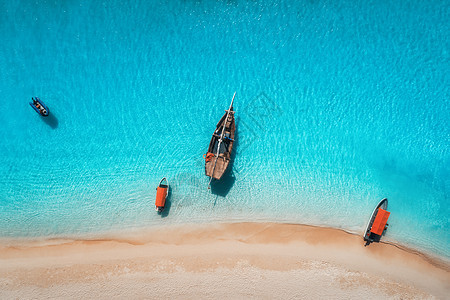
{"x": 221, "y": 145}
{"x": 220, "y": 167}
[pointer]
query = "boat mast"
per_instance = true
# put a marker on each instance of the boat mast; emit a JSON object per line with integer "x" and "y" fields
{"x": 220, "y": 140}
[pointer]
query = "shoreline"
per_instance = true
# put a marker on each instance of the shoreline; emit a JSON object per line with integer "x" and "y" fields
{"x": 140, "y": 235}
{"x": 285, "y": 253}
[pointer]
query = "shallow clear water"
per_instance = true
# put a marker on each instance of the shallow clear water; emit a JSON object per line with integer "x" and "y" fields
{"x": 338, "y": 105}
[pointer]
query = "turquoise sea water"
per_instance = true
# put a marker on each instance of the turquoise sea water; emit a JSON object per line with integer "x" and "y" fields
{"x": 339, "y": 104}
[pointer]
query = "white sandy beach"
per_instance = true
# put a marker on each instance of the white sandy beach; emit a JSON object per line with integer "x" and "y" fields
{"x": 241, "y": 260}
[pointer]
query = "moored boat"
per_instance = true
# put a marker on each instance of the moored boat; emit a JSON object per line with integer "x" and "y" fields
{"x": 39, "y": 107}
{"x": 377, "y": 223}
{"x": 218, "y": 156}
{"x": 161, "y": 194}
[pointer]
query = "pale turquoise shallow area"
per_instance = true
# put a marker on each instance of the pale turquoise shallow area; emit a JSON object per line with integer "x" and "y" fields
{"x": 339, "y": 104}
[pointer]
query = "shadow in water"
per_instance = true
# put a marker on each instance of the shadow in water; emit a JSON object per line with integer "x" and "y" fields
{"x": 168, "y": 204}
{"x": 223, "y": 186}
{"x": 51, "y": 120}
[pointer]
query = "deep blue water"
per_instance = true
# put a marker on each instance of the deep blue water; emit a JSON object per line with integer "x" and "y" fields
{"x": 339, "y": 104}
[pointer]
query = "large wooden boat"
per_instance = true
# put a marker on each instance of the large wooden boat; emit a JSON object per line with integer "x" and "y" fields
{"x": 377, "y": 223}
{"x": 218, "y": 156}
{"x": 39, "y": 107}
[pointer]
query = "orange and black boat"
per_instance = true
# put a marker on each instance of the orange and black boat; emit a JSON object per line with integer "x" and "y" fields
{"x": 378, "y": 223}
{"x": 161, "y": 194}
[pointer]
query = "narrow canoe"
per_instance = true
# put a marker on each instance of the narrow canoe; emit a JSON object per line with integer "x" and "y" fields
{"x": 218, "y": 156}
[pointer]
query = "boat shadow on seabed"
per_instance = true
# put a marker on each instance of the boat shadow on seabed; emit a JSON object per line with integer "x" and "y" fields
{"x": 51, "y": 120}
{"x": 222, "y": 187}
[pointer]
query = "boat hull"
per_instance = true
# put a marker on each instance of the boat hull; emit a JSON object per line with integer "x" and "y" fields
{"x": 368, "y": 236}
{"x": 161, "y": 195}
{"x": 44, "y": 114}
{"x": 216, "y": 165}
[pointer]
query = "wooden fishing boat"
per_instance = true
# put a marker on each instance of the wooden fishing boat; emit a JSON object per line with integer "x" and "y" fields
{"x": 39, "y": 106}
{"x": 161, "y": 194}
{"x": 377, "y": 223}
{"x": 218, "y": 156}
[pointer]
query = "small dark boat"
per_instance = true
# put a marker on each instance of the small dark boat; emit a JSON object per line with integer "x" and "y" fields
{"x": 378, "y": 223}
{"x": 161, "y": 194}
{"x": 218, "y": 156}
{"x": 39, "y": 106}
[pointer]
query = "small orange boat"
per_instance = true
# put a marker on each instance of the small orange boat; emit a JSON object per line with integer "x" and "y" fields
{"x": 378, "y": 223}
{"x": 161, "y": 194}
